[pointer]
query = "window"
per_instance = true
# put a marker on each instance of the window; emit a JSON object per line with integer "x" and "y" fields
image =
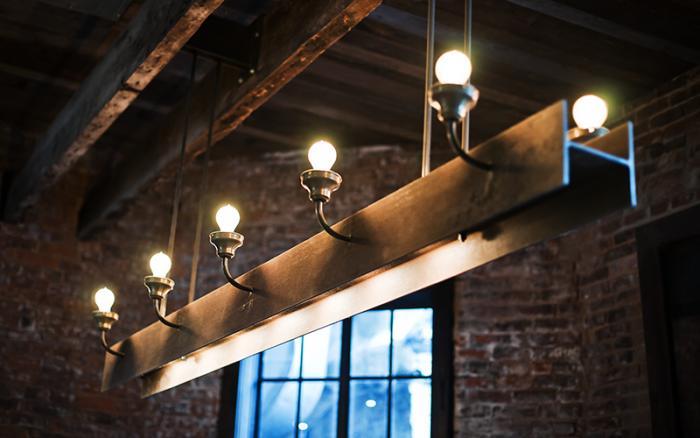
{"x": 372, "y": 375}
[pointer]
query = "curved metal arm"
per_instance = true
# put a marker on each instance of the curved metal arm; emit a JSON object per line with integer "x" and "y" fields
{"x": 322, "y": 220}
{"x": 229, "y": 277}
{"x": 108, "y": 349}
{"x": 453, "y": 139}
{"x": 161, "y": 318}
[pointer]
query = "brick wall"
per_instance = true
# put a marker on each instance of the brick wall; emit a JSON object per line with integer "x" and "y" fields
{"x": 548, "y": 340}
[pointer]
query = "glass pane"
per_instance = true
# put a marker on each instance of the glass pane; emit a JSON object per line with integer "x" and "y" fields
{"x": 412, "y": 342}
{"x": 278, "y": 409}
{"x": 368, "y": 408}
{"x": 369, "y": 345}
{"x": 322, "y": 352}
{"x": 245, "y": 400}
{"x": 319, "y": 410}
{"x": 410, "y": 408}
{"x": 282, "y": 360}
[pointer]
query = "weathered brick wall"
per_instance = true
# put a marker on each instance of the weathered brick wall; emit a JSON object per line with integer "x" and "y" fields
{"x": 549, "y": 341}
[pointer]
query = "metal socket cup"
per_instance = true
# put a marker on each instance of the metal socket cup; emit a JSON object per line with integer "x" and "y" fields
{"x": 452, "y": 101}
{"x": 158, "y": 287}
{"x": 226, "y": 242}
{"x": 320, "y": 183}
{"x": 105, "y": 319}
{"x": 582, "y": 135}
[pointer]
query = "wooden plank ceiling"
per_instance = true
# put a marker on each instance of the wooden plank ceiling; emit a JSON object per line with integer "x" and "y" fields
{"x": 366, "y": 89}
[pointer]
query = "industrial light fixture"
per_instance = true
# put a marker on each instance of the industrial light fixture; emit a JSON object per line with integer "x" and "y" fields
{"x": 227, "y": 241}
{"x": 321, "y": 182}
{"x": 104, "y": 299}
{"x": 159, "y": 285}
{"x": 453, "y": 96}
{"x": 589, "y": 113}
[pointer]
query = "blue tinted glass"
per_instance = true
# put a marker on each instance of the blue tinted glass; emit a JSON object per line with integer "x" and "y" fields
{"x": 283, "y": 360}
{"x": 278, "y": 409}
{"x": 322, "y": 352}
{"x": 368, "y": 408}
{"x": 412, "y": 337}
{"x": 319, "y": 410}
{"x": 246, "y": 398}
{"x": 410, "y": 408}
{"x": 369, "y": 345}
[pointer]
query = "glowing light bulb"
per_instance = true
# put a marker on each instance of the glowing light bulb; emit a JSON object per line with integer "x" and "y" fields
{"x": 453, "y": 67}
{"x": 104, "y": 298}
{"x": 160, "y": 264}
{"x": 590, "y": 112}
{"x": 322, "y": 155}
{"x": 228, "y": 218}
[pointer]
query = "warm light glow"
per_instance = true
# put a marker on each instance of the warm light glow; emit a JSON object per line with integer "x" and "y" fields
{"x": 453, "y": 67}
{"x": 590, "y": 112}
{"x": 160, "y": 264}
{"x": 104, "y": 298}
{"x": 322, "y": 155}
{"x": 228, "y": 218}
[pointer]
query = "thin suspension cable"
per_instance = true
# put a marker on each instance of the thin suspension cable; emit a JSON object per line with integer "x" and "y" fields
{"x": 468, "y": 51}
{"x": 177, "y": 194}
{"x": 427, "y": 110}
{"x": 203, "y": 188}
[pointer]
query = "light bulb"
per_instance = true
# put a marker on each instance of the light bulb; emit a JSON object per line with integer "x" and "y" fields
{"x": 104, "y": 298}
{"x": 228, "y": 218}
{"x": 453, "y": 67}
{"x": 590, "y": 112}
{"x": 322, "y": 155}
{"x": 160, "y": 264}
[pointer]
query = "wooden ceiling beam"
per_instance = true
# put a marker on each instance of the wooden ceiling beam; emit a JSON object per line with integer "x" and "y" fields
{"x": 293, "y": 36}
{"x": 604, "y": 26}
{"x": 152, "y": 38}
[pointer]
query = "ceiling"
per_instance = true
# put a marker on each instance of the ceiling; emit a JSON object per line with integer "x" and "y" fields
{"x": 367, "y": 89}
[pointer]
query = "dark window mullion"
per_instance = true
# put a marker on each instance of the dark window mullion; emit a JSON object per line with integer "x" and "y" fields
{"x": 391, "y": 368}
{"x": 344, "y": 389}
{"x": 299, "y": 380}
{"x": 258, "y": 396}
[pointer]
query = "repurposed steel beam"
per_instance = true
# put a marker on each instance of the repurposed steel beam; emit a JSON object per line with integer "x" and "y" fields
{"x": 541, "y": 186}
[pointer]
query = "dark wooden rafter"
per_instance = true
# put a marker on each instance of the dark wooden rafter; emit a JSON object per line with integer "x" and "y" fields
{"x": 153, "y": 37}
{"x": 603, "y": 26}
{"x": 541, "y": 186}
{"x": 293, "y": 36}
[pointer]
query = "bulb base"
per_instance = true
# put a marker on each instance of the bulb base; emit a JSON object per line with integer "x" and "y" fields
{"x": 226, "y": 242}
{"x": 105, "y": 320}
{"x": 320, "y": 183}
{"x": 158, "y": 287}
{"x": 452, "y": 101}
{"x": 582, "y": 135}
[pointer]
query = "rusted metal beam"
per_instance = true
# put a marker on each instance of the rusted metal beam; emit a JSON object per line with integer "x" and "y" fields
{"x": 293, "y": 36}
{"x": 153, "y": 37}
{"x": 541, "y": 185}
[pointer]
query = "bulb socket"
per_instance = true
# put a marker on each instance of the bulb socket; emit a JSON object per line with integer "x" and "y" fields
{"x": 452, "y": 101}
{"x": 105, "y": 319}
{"x": 158, "y": 287}
{"x": 583, "y": 135}
{"x": 226, "y": 242}
{"x": 320, "y": 183}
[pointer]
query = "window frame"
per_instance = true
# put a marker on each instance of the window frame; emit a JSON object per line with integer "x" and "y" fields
{"x": 440, "y": 298}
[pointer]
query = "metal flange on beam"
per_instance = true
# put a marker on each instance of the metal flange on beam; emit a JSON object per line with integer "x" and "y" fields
{"x": 541, "y": 186}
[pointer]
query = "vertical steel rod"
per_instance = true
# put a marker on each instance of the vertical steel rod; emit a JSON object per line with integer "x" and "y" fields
{"x": 177, "y": 193}
{"x": 468, "y": 51}
{"x": 427, "y": 110}
{"x": 203, "y": 187}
